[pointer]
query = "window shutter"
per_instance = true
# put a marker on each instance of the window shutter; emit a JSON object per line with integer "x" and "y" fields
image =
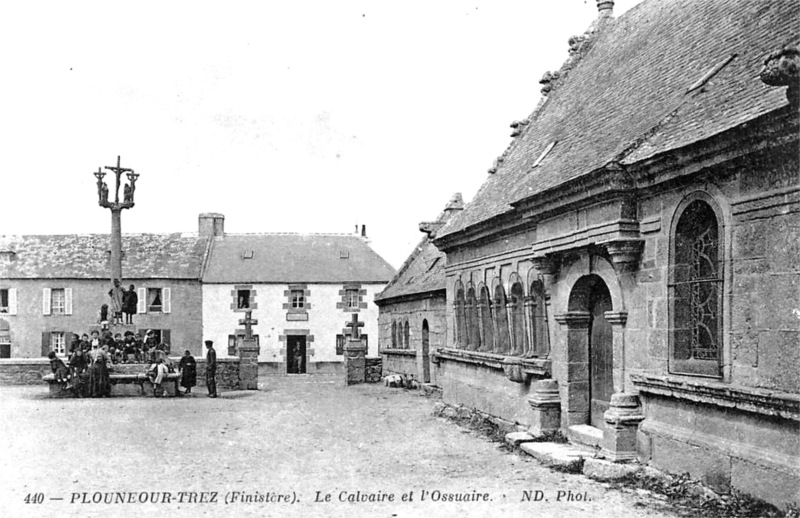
{"x": 142, "y": 305}
{"x": 46, "y": 302}
{"x": 12, "y": 301}
{"x": 166, "y": 338}
{"x": 166, "y": 300}
{"x": 67, "y": 342}
{"x": 45, "y": 342}
{"x": 68, "y": 301}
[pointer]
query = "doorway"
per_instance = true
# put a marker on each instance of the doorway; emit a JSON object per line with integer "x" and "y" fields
{"x": 426, "y": 361}
{"x": 601, "y": 352}
{"x": 296, "y": 354}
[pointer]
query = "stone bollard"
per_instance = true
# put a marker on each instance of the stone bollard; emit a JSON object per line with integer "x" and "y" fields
{"x": 248, "y": 365}
{"x": 622, "y": 422}
{"x": 355, "y": 362}
{"x": 546, "y": 405}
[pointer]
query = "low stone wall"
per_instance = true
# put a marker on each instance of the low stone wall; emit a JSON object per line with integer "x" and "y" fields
{"x": 374, "y": 367}
{"x": 727, "y": 437}
{"x": 30, "y": 371}
{"x": 400, "y": 361}
{"x": 474, "y": 384}
{"x": 23, "y": 371}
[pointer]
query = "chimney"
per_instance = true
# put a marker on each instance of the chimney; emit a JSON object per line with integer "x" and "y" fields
{"x": 455, "y": 204}
{"x": 364, "y": 231}
{"x": 605, "y": 7}
{"x": 211, "y": 224}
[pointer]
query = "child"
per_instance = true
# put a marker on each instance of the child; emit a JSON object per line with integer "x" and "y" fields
{"x": 59, "y": 369}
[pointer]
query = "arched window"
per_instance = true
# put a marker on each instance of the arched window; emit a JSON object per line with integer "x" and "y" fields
{"x": 538, "y": 317}
{"x": 394, "y": 334}
{"x": 406, "y": 335}
{"x": 487, "y": 324}
{"x": 695, "y": 291}
{"x": 461, "y": 317}
{"x": 518, "y": 319}
{"x": 501, "y": 320}
{"x": 473, "y": 329}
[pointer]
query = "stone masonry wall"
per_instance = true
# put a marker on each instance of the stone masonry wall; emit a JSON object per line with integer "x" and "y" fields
{"x": 374, "y": 368}
{"x": 415, "y": 312}
{"x": 30, "y": 371}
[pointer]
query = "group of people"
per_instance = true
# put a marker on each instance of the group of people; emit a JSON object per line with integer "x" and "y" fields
{"x": 123, "y": 302}
{"x": 90, "y": 359}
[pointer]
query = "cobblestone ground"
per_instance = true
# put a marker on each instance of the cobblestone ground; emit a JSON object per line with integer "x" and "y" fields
{"x": 304, "y": 437}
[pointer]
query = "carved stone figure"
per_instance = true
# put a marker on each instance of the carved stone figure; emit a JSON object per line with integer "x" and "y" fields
{"x": 104, "y": 193}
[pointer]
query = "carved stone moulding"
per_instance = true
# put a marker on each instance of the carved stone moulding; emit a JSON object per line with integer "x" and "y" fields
{"x": 782, "y": 68}
{"x": 625, "y": 253}
{"x": 512, "y": 367}
{"x": 616, "y": 318}
{"x": 547, "y": 264}
{"x": 574, "y": 319}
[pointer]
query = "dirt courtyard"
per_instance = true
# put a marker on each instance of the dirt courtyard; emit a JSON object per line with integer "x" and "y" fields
{"x": 299, "y": 446}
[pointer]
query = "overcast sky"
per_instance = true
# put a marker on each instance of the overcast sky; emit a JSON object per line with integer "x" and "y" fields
{"x": 284, "y": 116}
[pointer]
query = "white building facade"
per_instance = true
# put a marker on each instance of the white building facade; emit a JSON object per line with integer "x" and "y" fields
{"x": 303, "y": 289}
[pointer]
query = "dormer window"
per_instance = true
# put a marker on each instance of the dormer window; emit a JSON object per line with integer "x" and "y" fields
{"x": 248, "y": 254}
{"x": 344, "y": 254}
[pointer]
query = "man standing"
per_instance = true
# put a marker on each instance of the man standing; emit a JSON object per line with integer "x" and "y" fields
{"x": 211, "y": 369}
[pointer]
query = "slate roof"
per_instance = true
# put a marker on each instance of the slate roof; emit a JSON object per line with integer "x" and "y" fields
{"x": 423, "y": 272}
{"x": 295, "y": 258}
{"x": 76, "y": 256}
{"x": 626, "y": 99}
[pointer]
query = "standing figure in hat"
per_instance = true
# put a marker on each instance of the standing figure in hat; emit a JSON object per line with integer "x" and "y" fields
{"x": 211, "y": 369}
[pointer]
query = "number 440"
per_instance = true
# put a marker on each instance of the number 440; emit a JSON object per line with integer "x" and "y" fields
{"x": 34, "y": 498}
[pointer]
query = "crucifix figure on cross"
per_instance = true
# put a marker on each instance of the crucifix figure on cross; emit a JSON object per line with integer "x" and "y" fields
{"x": 248, "y": 322}
{"x": 354, "y": 324}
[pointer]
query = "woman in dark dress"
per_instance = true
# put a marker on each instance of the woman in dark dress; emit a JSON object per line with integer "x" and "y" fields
{"x": 99, "y": 380}
{"x": 188, "y": 370}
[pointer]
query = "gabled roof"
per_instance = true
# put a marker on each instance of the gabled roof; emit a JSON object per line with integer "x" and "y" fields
{"x": 627, "y": 98}
{"x": 423, "y": 271}
{"x": 294, "y": 258}
{"x": 86, "y": 256}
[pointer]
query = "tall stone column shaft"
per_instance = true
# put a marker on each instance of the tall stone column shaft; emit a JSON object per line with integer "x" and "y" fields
{"x": 116, "y": 244}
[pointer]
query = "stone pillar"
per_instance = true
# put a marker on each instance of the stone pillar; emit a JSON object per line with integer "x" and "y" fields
{"x": 572, "y": 366}
{"x": 528, "y": 305}
{"x": 355, "y": 361}
{"x": 617, "y": 320}
{"x": 546, "y": 405}
{"x": 116, "y": 244}
{"x": 248, "y": 364}
{"x": 622, "y": 422}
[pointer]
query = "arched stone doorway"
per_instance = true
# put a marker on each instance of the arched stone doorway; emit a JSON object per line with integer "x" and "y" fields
{"x": 426, "y": 361}
{"x": 592, "y": 344}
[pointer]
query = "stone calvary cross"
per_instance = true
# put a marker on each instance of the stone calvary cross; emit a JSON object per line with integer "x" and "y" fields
{"x": 248, "y": 322}
{"x": 354, "y": 325}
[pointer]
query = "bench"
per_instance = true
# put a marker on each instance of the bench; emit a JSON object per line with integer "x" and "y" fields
{"x": 129, "y": 384}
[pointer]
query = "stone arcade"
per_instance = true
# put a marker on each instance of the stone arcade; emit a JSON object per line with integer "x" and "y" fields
{"x": 628, "y": 272}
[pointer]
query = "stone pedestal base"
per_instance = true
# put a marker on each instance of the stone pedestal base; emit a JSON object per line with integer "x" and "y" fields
{"x": 546, "y": 405}
{"x": 355, "y": 363}
{"x": 248, "y": 365}
{"x": 622, "y": 421}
